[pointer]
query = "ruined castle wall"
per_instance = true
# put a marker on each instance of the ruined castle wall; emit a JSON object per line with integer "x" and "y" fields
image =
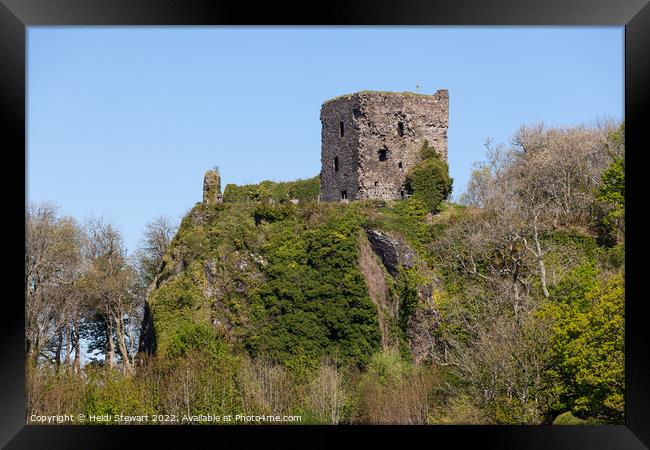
{"x": 346, "y": 178}
{"x": 383, "y": 135}
{"x": 212, "y": 188}
{"x": 392, "y": 130}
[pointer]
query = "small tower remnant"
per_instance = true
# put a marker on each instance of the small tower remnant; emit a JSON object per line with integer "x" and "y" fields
{"x": 212, "y": 187}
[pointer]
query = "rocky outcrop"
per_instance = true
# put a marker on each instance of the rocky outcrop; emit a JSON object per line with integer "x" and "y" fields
{"x": 223, "y": 290}
{"x": 393, "y": 253}
{"x": 373, "y": 274}
{"x": 147, "y": 343}
{"x": 421, "y": 325}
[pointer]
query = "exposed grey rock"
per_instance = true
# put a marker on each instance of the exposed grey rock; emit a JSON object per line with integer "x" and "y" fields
{"x": 371, "y": 139}
{"x": 239, "y": 286}
{"x": 421, "y": 325}
{"x": 259, "y": 259}
{"x": 393, "y": 253}
{"x": 210, "y": 270}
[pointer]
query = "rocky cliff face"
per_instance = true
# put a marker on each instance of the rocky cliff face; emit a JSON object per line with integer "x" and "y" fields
{"x": 394, "y": 254}
{"x": 398, "y": 257}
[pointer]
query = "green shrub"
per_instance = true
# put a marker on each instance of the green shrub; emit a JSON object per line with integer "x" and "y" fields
{"x": 190, "y": 336}
{"x": 569, "y": 419}
{"x": 271, "y": 213}
{"x": 305, "y": 190}
{"x": 387, "y": 367}
{"x": 409, "y": 281}
{"x": 429, "y": 180}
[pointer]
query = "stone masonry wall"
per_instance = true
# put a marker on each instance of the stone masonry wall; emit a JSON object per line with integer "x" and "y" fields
{"x": 346, "y": 178}
{"x": 375, "y": 151}
{"x": 212, "y": 188}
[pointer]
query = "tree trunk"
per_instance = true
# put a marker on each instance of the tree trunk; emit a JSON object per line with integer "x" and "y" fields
{"x": 131, "y": 341}
{"x": 76, "y": 365}
{"x": 119, "y": 329}
{"x": 68, "y": 343}
{"x": 540, "y": 260}
{"x": 110, "y": 347}
{"x": 35, "y": 350}
{"x": 59, "y": 347}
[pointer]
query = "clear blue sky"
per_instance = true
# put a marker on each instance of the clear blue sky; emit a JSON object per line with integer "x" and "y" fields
{"x": 124, "y": 121}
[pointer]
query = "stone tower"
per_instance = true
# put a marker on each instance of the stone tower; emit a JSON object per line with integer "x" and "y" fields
{"x": 212, "y": 187}
{"x": 371, "y": 139}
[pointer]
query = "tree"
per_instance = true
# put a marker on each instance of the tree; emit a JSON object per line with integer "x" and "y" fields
{"x": 503, "y": 369}
{"x": 52, "y": 264}
{"x": 494, "y": 330}
{"x": 588, "y": 371}
{"x": 544, "y": 180}
{"x": 156, "y": 239}
{"x": 109, "y": 284}
{"x": 610, "y": 197}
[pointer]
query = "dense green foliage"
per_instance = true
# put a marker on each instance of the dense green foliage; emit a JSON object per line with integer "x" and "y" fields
{"x": 611, "y": 202}
{"x": 612, "y": 189}
{"x": 429, "y": 181}
{"x": 588, "y": 338}
{"x": 315, "y": 296}
{"x": 281, "y": 192}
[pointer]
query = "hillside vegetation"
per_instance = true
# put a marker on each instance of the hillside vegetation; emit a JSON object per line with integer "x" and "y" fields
{"x": 507, "y": 308}
{"x": 277, "y": 191}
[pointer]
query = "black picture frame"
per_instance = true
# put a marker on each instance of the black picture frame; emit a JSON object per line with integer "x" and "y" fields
{"x": 16, "y": 15}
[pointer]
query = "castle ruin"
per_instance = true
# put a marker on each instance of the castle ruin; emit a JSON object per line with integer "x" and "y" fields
{"x": 212, "y": 187}
{"x": 371, "y": 139}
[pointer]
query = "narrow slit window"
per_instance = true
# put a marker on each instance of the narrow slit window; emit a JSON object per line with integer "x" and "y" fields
{"x": 376, "y": 183}
{"x": 341, "y": 129}
{"x": 336, "y": 164}
{"x": 400, "y": 128}
{"x": 383, "y": 154}
{"x": 400, "y": 165}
